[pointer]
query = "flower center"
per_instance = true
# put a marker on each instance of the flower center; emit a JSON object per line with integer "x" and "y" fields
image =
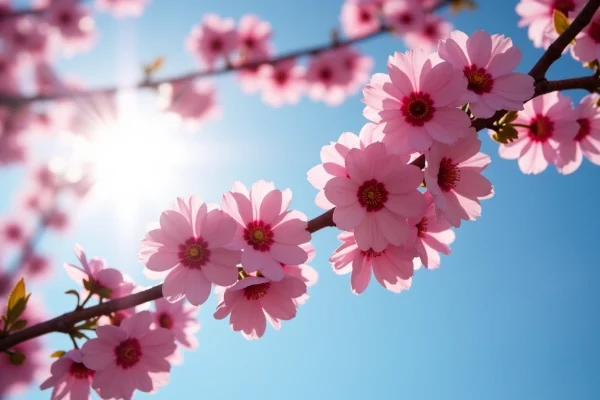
{"x": 128, "y": 353}
{"x": 249, "y": 43}
{"x": 541, "y": 128}
{"x": 405, "y": 18}
{"x": 194, "y": 253}
{"x": 430, "y": 31}
{"x": 371, "y": 253}
{"x": 256, "y": 292}
{"x": 13, "y": 232}
{"x": 480, "y": 81}
{"x": 417, "y": 108}
{"x": 65, "y": 18}
{"x": 594, "y": 31}
{"x": 326, "y": 74}
{"x": 564, "y": 6}
{"x": 216, "y": 45}
{"x": 422, "y": 226}
{"x": 448, "y": 175}
{"x": 584, "y": 129}
{"x": 372, "y": 195}
{"x": 165, "y": 321}
{"x": 80, "y": 371}
{"x": 259, "y": 235}
{"x": 365, "y": 16}
{"x": 281, "y": 77}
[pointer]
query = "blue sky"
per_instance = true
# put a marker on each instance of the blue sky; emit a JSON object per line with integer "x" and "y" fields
{"x": 511, "y": 314}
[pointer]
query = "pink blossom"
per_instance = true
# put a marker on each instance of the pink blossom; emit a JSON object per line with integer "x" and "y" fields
{"x": 488, "y": 63}
{"x": 12, "y": 150}
{"x": 357, "y": 66}
{"x": 26, "y": 38}
{"x": 333, "y": 159}
{"x": 404, "y": 15}
{"x": 37, "y": 266}
{"x": 431, "y": 235}
{"x": 123, "y": 8}
{"x": 194, "y": 102}
{"x": 453, "y": 177}
{"x": 181, "y": 319}
{"x": 434, "y": 29}
{"x": 254, "y": 36}
{"x": 129, "y": 357}
{"x": 46, "y": 80}
{"x": 327, "y": 78}
{"x": 213, "y": 39}
{"x": 392, "y": 266}
{"x": 268, "y": 233}
{"x": 414, "y": 105}
{"x": 254, "y": 300}
{"x": 587, "y": 44}
{"x": 375, "y": 198}
{"x": 190, "y": 243}
{"x": 57, "y": 220}
{"x": 537, "y": 14}
{"x": 96, "y": 272}
{"x": 13, "y": 231}
{"x": 304, "y": 272}
{"x": 551, "y": 120}
{"x": 69, "y": 377}
{"x": 9, "y": 79}
{"x": 586, "y": 142}
{"x": 282, "y": 82}
{"x": 360, "y": 18}
{"x": 71, "y": 22}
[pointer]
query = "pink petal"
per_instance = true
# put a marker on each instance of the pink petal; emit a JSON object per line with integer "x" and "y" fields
{"x": 174, "y": 285}
{"x": 288, "y": 253}
{"x": 197, "y": 287}
{"x": 222, "y": 275}
{"x": 341, "y": 191}
{"x": 270, "y": 207}
{"x": 162, "y": 261}
{"x": 361, "y": 275}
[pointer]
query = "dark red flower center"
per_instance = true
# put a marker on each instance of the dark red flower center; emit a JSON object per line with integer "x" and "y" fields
{"x": 480, "y": 81}
{"x": 37, "y": 264}
{"x": 371, "y": 253}
{"x": 128, "y": 353}
{"x": 326, "y": 74}
{"x": 194, "y": 253}
{"x": 593, "y": 31}
{"x": 417, "y": 108}
{"x": 259, "y": 235}
{"x": 65, "y": 18}
{"x": 365, "y": 16}
{"x": 256, "y": 292}
{"x": 405, "y": 18}
{"x": 541, "y": 128}
{"x": 430, "y": 31}
{"x": 249, "y": 43}
{"x": 13, "y": 232}
{"x": 216, "y": 45}
{"x": 564, "y": 6}
{"x": 422, "y": 226}
{"x": 281, "y": 77}
{"x": 584, "y": 129}
{"x": 372, "y": 195}
{"x": 448, "y": 175}
{"x": 165, "y": 321}
{"x": 80, "y": 371}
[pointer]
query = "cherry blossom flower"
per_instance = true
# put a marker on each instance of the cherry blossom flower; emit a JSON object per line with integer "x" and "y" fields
{"x": 71, "y": 22}
{"x": 431, "y": 235}
{"x": 254, "y": 36}
{"x": 434, "y": 29}
{"x": 587, "y": 44}
{"x": 453, "y": 177}
{"x": 254, "y": 300}
{"x": 190, "y": 244}
{"x": 37, "y": 266}
{"x": 551, "y": 120}
{"x": 12, "y": 150}
{"x": 268, "y": 233}
{"x": 282, "y": 82}
{"x": 123, "y": 8}
{"x": 375, "y": 198}
{"x": 333, "y": 159}
{"x": 9, "y": 79}
{"x": 327, "y": 78}
{"x": 194, "y": 102}
{"x": 69, "y": 377}
{"x": 129, "y": 357}
{"x": 586, "y": 142}
{"x": 26, "y": 38}
{"x": 404, "y": 15}
{"x": 57, "y": 220}
{"x": 357, "y": 66}
{"x": 98, "y": 275}
{"x": 213, "y": 39}
{"x": 538, "y": 14}
{"x": 415, "y": 104}
{"x": 392, "y": 266}
{"x": 181, "y": 319}
{"x": 46, "y": 80}
{"x": 13, "y": 231}
{"x": 304, "y": 272}
{"x": 360, "y": 18}
{"x": 488, "y": 63}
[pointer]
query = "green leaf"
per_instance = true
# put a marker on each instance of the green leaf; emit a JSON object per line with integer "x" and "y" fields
{"x": 88, "y": 285}
{"x": 561, "y": 22}
{"x": 57, "y": 354}
{"x": 16, "y": 294}
{"x": 20, "y": 324}
{"x": 506, "y": 134}
{"x": 16, "y": 358}
{"x": 15, "y": 312}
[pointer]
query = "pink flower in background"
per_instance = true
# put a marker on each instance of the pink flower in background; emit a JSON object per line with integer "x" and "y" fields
{"x": 453, "y": 177}
{"x": 404, "y": 16}
{"x": 488, "y": 63}
{"x": 375, "y": 198}
{"x": 72, "y": 23}
{"x": 268, "y": 233}
{"x": 213, "y": 39}
{"x": 37, "y": 266}
{"x": 433, "y": 30}
{"x": 12, "y": 231}
{"x": 431, "y": 235}
{"x": 304, "y": 272}
{"x": 190, "y": 244}
{"x": 254, "y": 36}
{"x": 46, "y": 80}
{"x": 12, "y": 150}
{"x": 123, "y": 8}
{"x": 181, "y": 319}
{"x": 415, "y": 105}
{"x": 96, "y": 272}
{"x": 70, "y": 378}
{"x": 9, "y": 69}
{"x": 537, "y": 14}
{"x": 282, "y": 82}
{"x": 586, "y": 142}
{"x": 46, "y": 178}
{"x": 253, "y": 300}
{"x": 551, "y": 120}
{"x": 333, "y": 160}
{"x": 327, "y": 78}
{"x": 57, "y": 220}
{"x": 129, "y": 357}
{"x": 587, "y": 44}
{"x": 392, "y": 266}
{"x": 26, "y": 38}
{"x": 357, "y": 66}
{"x": 360, "y": 18}
{"x": 194, "y": 102}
